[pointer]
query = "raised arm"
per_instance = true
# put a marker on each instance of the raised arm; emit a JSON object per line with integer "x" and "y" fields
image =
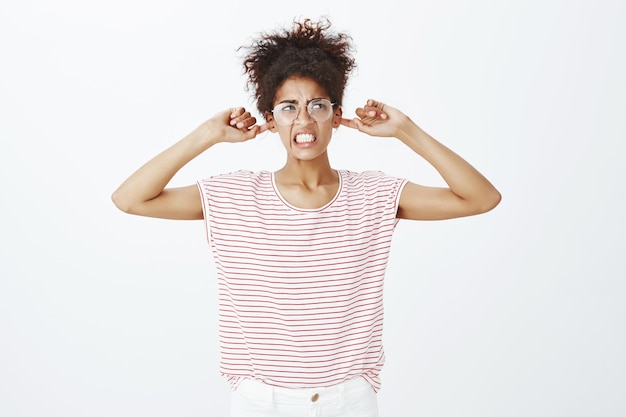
{"x": 144, "y": 193}
{"x": 468, "y": 192}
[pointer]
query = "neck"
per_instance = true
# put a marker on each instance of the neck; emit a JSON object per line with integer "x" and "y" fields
{"x": 310, "y": 173}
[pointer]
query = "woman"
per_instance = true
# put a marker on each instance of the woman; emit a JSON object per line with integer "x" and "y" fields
{"x": 301, "y": 252}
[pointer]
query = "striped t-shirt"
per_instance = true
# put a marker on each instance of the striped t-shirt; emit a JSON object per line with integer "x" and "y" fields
{"x": 300, "y": 290}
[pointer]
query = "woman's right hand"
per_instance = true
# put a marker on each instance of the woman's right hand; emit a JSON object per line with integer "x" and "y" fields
{"x": 231, "y": 125}
{"x": 144, "y": 192}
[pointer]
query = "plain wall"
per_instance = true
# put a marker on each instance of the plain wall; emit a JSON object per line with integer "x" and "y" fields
{"x": 517, "y": 312}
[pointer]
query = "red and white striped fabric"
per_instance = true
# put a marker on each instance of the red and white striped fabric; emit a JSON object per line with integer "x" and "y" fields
{"x": 300, "y": 290}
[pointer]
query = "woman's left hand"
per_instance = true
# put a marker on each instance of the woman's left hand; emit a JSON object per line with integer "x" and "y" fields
{"x": 378, "y": 119}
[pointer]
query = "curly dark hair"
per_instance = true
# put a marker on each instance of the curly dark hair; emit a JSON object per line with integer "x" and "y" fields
{"x": 308, "y": 50}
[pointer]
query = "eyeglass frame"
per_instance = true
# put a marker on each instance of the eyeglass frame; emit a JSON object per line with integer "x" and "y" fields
{"x": 332, "y": 107}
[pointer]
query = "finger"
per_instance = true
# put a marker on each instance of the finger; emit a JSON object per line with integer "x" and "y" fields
{"x": 262, "y": 128}
{"x": 254, "y": 131}
{"x": 374, "y": 105}
{"x": 366, "y": 111}
{"x": 375, "y": 109}
{"x": 378, "y": 104}
{"x": 372, "y": 114}
{"x": 243, "y": 121}
{"x": 246, "y": 123}
{"x": 236, "y": 112}
{"x": 348, "y": 123}
{"x": 239, "y": 118}
{"x": 358, "y": 124}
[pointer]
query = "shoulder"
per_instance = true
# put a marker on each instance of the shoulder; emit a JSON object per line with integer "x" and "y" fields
{"x": 375, "y": 187}
{"x": 368, "y": 179}
{"x": 241, "y": 176}
{"x": 236, "y": 183}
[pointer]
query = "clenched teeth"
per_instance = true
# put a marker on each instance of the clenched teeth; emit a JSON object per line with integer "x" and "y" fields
{"x": 304, "y": 138}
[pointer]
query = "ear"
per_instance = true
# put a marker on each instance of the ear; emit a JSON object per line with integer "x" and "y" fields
{"x": 271, "y": 123}
{"x": 337, "y": 117}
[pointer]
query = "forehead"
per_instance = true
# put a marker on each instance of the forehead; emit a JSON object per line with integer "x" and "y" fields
{"x": 299, "y": 89}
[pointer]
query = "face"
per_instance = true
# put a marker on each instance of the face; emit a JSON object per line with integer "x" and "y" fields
{"x": 305, "y": 139}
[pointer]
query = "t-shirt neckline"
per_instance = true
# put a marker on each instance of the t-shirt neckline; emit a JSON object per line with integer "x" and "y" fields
{"x": 317, "y": 209}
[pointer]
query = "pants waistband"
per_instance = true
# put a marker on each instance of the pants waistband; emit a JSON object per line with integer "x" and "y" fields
{"x": 314, "y": 396}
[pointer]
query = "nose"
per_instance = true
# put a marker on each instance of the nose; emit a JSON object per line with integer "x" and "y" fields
{"x": 303, "y": 115}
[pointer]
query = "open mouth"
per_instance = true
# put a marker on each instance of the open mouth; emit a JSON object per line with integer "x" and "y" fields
{"x": 304, "y": 138}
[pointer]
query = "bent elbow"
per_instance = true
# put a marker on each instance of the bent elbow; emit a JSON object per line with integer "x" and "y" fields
{"x": 491, "y": 201}
{"x": 120, "y": 202}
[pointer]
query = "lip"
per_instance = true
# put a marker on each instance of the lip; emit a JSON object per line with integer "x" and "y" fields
{"x": 304, "y": 144}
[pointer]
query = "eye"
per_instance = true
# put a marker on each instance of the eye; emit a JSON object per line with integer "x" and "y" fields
{"x": 319, "y": 105}
{"x": 287, "y": 108}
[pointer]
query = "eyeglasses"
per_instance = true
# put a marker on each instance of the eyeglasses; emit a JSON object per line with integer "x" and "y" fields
{"x": 320, "y": 110}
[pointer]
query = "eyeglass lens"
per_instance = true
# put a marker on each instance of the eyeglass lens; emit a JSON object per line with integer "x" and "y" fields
{"x": 320, "y": 110}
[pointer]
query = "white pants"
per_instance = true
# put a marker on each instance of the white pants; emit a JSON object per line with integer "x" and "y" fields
{"x": 353, "y": 398}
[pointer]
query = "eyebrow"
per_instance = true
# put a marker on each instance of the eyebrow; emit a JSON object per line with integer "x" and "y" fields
{"x": 296, "y": 101}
